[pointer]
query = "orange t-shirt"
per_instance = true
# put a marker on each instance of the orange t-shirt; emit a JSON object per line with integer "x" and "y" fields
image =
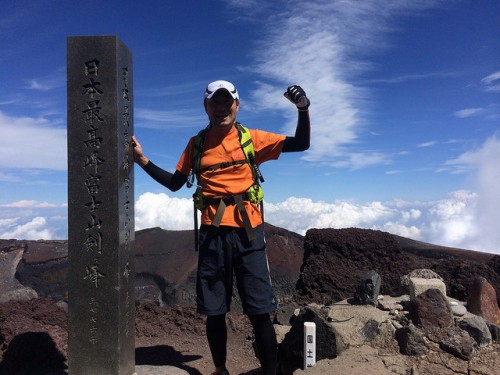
{"x": 232, "y": 180}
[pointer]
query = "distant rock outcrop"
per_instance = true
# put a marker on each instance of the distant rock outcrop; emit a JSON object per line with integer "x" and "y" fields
{"x": 165, "y": 265}
{"x": 10, "y": 287}
{"x": 335, "y": 260}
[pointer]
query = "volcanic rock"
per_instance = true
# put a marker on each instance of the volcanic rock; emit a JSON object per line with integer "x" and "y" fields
{"x": 420, "y": 274}
{"x": 459, "y": 343}
{"x": 411, "y": 341}
{"x": 328, "y": 342}
{"x": 335, "y": 260}
{"x": 368, "y": 289}
{"x": 10, "y": 287}
{"x": 482, "y": 301}
{"x": 431, "y": 311}
{"x": 477, "y": 328}
{"x": 495, "y": 332}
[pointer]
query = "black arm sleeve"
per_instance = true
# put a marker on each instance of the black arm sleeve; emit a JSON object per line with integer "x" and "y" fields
{"x": 302, "y": 139}
{"x": 171, "y": 181}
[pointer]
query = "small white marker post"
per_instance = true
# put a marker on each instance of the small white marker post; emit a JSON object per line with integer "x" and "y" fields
{"x": 309, "y": 344}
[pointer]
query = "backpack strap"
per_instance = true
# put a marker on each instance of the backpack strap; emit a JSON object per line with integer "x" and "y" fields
{"x": 196, "y": 229}
{"x": 197, "y": 151}
{"x": 244, "y": 216}
{"x": 237, "y": 200}
{"x": 254, "y": 193}
{"x": 246, "y": 143}
{"x": 223, "y": 165}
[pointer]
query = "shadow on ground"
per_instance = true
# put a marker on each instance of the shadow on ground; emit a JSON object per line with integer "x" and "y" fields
{"x": 32, "y": 353}
{"x": 165, "y": 355}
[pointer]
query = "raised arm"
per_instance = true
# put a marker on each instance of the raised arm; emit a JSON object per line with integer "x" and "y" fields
{"x": 302, "y": 139}
{"x": 172, "y": 181}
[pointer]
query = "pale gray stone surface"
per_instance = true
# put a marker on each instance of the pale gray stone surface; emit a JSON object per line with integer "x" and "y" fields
{"x": 159, "y": 370}
{"x": 10, "y": 287}
{"x": 419, "y": 285}
{"x": 458, "y": 310}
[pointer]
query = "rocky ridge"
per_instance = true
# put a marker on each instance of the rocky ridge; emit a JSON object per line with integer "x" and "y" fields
{"x": 323, "y": 269}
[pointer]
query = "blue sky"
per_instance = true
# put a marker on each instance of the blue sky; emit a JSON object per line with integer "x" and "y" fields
{"x": 405, "y": 108}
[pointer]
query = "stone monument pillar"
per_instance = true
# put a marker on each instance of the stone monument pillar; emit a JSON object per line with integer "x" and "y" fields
{"x": 101, "y": 235}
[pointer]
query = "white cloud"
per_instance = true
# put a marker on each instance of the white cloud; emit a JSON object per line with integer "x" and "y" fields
{"x": 427, "y": 144}
{"x": 242, "y": 3}
{"x": 402, "y": 230}
{"x": 323, "y": 47}
{"x": 35, "y": 229}
{"x": 463, "y": 219}
{"x": 33, "y": 220}
{"x": 32, "y": 143}
{"x": 153, "y": 210}
{"x": 9, "y": 177}
{"x": 454, "y": 221}
{"x": 412, "y": 77}
{"x": 8, "y": 222}
{"x": 171, "y": 119}
{"x": 55, "y": 80}
{"x": 300, "y": 214}
{"x": 29, "y": 203}
{"x": 483, "y": 165}
{"x": 468, "y": 112}
{"x": 492, "y": 82}
{"x": 358, "y": 160}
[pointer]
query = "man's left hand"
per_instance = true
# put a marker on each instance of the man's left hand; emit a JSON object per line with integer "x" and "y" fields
{"x": 297, "y": 96}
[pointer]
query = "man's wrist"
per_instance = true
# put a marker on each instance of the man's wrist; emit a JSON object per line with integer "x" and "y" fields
{"x": 304, "y": 106}
{"x": 143, "y": 161}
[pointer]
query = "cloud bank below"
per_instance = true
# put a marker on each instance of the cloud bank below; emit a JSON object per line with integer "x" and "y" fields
{"x": 463, "y": 219}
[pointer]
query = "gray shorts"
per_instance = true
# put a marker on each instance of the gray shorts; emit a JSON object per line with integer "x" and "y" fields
{"x": 224, "y": 250}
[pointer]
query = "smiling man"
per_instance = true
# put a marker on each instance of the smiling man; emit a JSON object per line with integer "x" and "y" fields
{"x": 224, "y": 158}
{"x": 221, "y": 104}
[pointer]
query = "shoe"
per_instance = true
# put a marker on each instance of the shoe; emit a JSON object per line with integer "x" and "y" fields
{"x": 225, "y": 372}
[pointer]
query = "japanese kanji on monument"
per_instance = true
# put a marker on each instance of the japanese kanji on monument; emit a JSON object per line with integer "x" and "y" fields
{"x": 100, "y": 207}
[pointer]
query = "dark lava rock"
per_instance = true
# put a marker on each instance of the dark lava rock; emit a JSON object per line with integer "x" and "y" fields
{"x": 431, "y": 311}
{"x": 459, "y": 343}
{"x": 411, "y": 341}
{"x": 336, "y": 259}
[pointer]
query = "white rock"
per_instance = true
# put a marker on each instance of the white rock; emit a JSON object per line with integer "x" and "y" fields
{"x": 458, "y": 310}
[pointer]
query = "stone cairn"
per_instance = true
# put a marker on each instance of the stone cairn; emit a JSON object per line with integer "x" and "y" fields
{"x": 422, "y": 320}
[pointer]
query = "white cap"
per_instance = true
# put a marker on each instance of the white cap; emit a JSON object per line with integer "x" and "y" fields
{"x": 213, "y": 87}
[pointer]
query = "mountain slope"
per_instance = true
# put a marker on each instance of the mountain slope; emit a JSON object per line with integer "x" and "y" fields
{"x": 166, "y": 263}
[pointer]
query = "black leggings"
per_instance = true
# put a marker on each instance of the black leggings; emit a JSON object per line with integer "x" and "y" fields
{"x": 265, "y": 340}
{"x": 217, "y": 338}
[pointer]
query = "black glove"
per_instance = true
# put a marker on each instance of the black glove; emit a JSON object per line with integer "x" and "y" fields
{"x": 298, "y": 97}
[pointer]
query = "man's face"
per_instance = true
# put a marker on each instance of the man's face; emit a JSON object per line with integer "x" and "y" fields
{"x": 221, "y": 110}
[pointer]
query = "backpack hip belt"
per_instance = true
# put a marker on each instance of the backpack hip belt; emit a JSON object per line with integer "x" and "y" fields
{"x": 228, "y": 199}
{"x": 237, "y": 200}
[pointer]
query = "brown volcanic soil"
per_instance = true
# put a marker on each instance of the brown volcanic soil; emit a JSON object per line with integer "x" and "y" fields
{"x": 175, "y": 336}
{"x": 170, "y": 336}
{"x": 34, "y": 336}
{"x": 334, "y": 260}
